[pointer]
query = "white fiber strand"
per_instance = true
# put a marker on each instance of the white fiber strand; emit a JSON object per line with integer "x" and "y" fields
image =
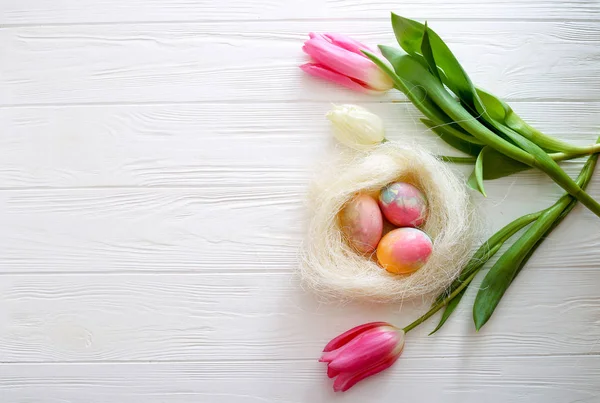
{"x": 331, "y": 268}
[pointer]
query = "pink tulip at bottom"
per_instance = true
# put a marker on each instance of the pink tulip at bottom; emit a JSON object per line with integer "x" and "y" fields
{"x": 361, "y": 352}
{"x": 340, "y": 59}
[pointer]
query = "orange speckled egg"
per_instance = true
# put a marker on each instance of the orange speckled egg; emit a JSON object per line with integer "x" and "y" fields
{"x": 404, "y": 250}
{"x": 362, "y": 223}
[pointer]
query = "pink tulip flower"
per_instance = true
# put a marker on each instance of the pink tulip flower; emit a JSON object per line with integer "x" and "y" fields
{"x": 361, "y": 352}
{"x": 339, "y": 59}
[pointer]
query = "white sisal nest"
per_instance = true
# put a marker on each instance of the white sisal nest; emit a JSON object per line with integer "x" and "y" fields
{"x": 332, "y": 269}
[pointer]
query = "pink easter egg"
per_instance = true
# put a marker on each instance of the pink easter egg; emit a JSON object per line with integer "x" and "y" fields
{"x": 403, "y": 204}
{"x": 404, "y": 250}
{"x": 362, "y": 223}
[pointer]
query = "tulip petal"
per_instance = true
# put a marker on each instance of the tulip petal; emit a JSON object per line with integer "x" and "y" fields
{"x": 368, "y": 349}
{"x": 321, "y": 71}
{"x": 332, "y": 355}
{"x": 340, "y": 60}
{"x": 348, "y": 43}
{"x": 351, "y": 345}
{"x": 346, "y": 380}
{"x": 332, "y": 373}
{"x": 350, "y": 334}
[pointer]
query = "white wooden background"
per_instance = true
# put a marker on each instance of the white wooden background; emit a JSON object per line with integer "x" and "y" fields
{"x": 153, "y": 159}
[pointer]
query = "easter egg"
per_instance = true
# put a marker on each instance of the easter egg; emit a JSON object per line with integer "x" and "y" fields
{"x": 403, "y": 204}
{"x": 362, "y": 223}
{"x": 404, "y": 250}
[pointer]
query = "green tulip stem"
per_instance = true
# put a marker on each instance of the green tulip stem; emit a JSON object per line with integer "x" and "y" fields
{"x": 555, "y": 156}
{"x": 439, "y": 102}
{"x": 483, "y": 254}
{"x": 593, "y": 149}
{"x": 440, "y": 305}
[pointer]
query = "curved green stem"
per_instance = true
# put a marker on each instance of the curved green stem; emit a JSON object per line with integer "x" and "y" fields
{"x": 439, "y": 305}
{"x": 533, "y": 134}
{"x": 422, "y": 88}
{"x": 495, "y": 242}
{"x": 564, "y": 156}
{"x": 483, "y": 254}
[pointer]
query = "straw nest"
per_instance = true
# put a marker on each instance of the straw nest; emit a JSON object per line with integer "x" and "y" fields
{"x": 335, "y": 271}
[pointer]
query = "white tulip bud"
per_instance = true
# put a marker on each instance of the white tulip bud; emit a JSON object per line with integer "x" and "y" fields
{"x": 356, "y": 127}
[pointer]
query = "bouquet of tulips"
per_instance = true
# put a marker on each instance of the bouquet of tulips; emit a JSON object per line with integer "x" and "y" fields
{"x": 484, "y": 128}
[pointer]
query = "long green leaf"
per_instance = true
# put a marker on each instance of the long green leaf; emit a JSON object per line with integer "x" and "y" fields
{"x": 475, "y": 181}
{"x": 501, "y": 275}
{"x": 417, "y": 95}
{"x": 503, "y": 113}
{"x": 498, "y": 279}
{"x": 418, "y": 77}
{"x": 488, "y": 249}
{"x": 448, "y": 310}
{"x": 555, "y": 224}
{"x": 409, "y": 34}
{"x": 485, "y": 252}
{"x": 428, "y": 54}
{"x": 497, "y": 165}
{"x": 493, "y": 165}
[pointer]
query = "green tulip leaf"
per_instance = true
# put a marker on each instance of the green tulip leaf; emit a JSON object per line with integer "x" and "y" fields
{"x": 492, "y": 164}
{"x": 506, "y": 268}
{"x": 475, "y": 181}
{"x": 502, "y": 112}
{"x": 502, "y": 273}
{"x": 428, "y": 54}
{"x": 494, "y": 107}
{"x": 410, "y": 33}
{"x": 416, "y": 77}
{"x": 402, "y": 74}
{"x": 497, "y": 165}
{"x": 449, "y": 309}
{"x": 484, "y": 253}
{"x": 416, "y": 94}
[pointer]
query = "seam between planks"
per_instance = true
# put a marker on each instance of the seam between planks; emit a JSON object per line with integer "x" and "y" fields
{"x": 267, "y": 360}
{"x": 307, "y": 19}
{"x": 250, "y": 101}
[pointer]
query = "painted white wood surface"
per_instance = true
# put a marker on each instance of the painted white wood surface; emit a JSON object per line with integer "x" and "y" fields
{"x": 153, "y": 159}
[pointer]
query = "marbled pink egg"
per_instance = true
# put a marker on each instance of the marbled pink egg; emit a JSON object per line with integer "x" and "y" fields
{"x": 404, "y": 250}
{"x": 362, "y": 223}
{"x": 403, "y": 204}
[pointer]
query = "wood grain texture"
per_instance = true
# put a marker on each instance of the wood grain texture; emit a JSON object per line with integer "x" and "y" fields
{"x": 89, "y": 11}
{"x": 154, "y": 156}
{"x": 506, "y": 380}
{"x": 253, "y": 316}
{"x": 213, "y": 61}
{"x": 205, "y": 145}
{"x": 218, "y": 227}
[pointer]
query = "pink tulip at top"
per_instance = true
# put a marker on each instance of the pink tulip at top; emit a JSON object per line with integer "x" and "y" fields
{"x": 339, "y": 59}
{"x": 361, "y": 352}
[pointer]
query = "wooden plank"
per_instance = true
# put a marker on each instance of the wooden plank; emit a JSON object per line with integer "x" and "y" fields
{"x": 495, "y": 380}
{"x": 241, "y": 61}
{"x": 552, "y": 308}
{"x": 89, "y": 11}
{"x": 195, "y": 145}
{"x": 213, "y": 228}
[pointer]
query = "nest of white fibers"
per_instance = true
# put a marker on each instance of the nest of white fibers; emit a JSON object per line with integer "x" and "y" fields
{"x": 335, "y": 271}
